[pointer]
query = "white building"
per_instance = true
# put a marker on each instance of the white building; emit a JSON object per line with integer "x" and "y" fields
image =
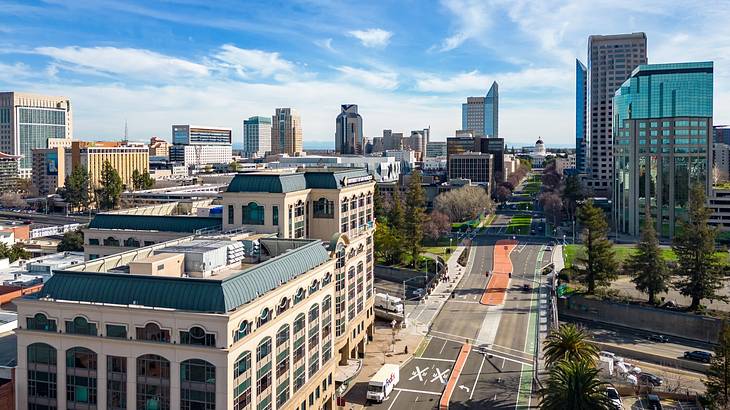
{"x": 434, "y": 164}
{"x": 407, "y": 158}
{"x": 201, "y": 155}
{"x": 383, "y": 169}
{"x": 538, "y": 154}
{"x": 256, "y": 137}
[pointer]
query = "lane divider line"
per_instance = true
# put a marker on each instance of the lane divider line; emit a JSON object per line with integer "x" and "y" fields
{"x": 454, "y": 377}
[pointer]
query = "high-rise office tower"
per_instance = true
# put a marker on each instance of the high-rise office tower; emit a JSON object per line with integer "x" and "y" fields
{"x": 256, "y": 136}
{"x": 481, "y": 114}
{"x": 286, "y": 132}
{"x": 29, "y": 121}
{"x": 197, "y": 146}
{"x": 721, "y": 134}
{"x": 611, "y": 59}
{"x": 348, "y": 136}
{"x": 581, "y": 118}
{"x": 662, "y": 127}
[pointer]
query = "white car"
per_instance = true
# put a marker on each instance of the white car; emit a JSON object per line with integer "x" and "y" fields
{"x": 614, "y": 397}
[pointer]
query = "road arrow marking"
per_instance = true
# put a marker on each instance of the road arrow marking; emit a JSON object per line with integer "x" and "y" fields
{"x": 462, "y": 387}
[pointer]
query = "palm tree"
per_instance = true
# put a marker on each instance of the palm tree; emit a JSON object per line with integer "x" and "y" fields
{"x": 568, "y": 342}
{"x": 574, "y": 385}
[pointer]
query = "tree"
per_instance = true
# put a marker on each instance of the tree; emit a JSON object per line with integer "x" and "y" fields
{"x": 14, "y": 252}
{"x": 379, "y": 207}
{"x": 142, "y": 180}
{"x": 574, "y": 385}
{"x": 552, "y": 204}
{"x": 72, "y": 241}
{"x": 718, "y": 375}
{"x": 597, "y": 267}
{"x": 415, "y": 215}
{"x": 77, "y": 190}
{"x": 572, "y": 194}
{"x": 438, "y": 225}
{"x": 234, "y": 166}
{"x": 650, "y": 270}
{"x": 396, "y": 218}
{"x": 694, "y": 244}
{"x": 462, "y": 204}
{"x": 502, "y": 193}
{"x": 568, "y": 342}
{"x": 550, "y": 178}
{"x": 111, "y": 187}
{"x": 12, "y": 200}
{"x": 388, "y": 245}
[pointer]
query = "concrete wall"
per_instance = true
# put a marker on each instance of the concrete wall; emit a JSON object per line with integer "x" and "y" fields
{"x": 685, "y": 325}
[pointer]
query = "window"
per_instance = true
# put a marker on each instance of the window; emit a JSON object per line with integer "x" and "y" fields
{"x": 41, "y": 322}
{"x": 197, "y": 385}
{"x": 299, "y": 323}
{"x": 327, "y": 279}
{"x": 314, "y": 286}
{"x": 265, "y": 317}
{"x": 242, "y": 381}
{"x": 301, "y": 294}
{"x": 263, "y": 350}
{"x": 116, "y": 385}
{"x": 197, "y": 336}
{"x": 244, "y": 328}
{"x": 80, "y": 326}
{"x": 230, "y": 215}
{"x": 110, "y": 241}
{"x": 263, "y": 361}
{"x": 275, "y": 214}
{"x": 41, "y": 376}
{"x": 131, "y": 243}
{"x": 323, "y": 208}
{"x": 152, "y": 332}
{"x": 80, "y": 377}
{"x": 253, "y": 214}
{"x": 93, "y": 241}
{"x": 153, "y": 382}
{"x": 119, "y": 331}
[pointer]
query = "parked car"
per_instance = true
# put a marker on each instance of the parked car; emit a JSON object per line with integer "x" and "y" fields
{"x": 658, "y": 338}
{"x": 526, "y": 287}
{"x": 548, "y": 249}
{"x": 653, "y": 402}
{"x": 647, "y": 379}
{"x": 698, "y": 355}
{"x": 614, "y": 397}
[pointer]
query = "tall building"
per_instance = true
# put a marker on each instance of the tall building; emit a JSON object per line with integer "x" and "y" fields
{"x": 581, "y": 117}
{"x": 477, "y": 167}
{"x": 92, "y": 156}
{"x": 436, "y": 149}
{"x": 286, "y": 132}
{"x": 417, "y": 142}
{"x": 28, "y": 121}
{"x": 481, "y": 114}
{"x": 662, "y": 127}
{"x": 49, "y": 170}
{"x": 349, "y": 138}
{"x": 159, "y": 147}
{"x": 8, "y": 172}
{"x": 392, "y": 140}
{"x": 721, "y": 134}
{"x": 611, "y": 59}
{"x": 197, "y": 146}
{"x": 256, "y": 137}
{"x": 494, "y": 146}
{"x": 720, "y": 162}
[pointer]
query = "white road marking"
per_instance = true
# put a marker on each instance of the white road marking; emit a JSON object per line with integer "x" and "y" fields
{"x": 479, "y": 372}
{"x": 436, "y": 359}
{"x": 442, "y": 347}
{"x": 462, "y": 387}
{"x": 394, "y": 399}
{"x": 419, "y": 373}
{"x": 439, "y": 375}
{"x": 417, "y": 391}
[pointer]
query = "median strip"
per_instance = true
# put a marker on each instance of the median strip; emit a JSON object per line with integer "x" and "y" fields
{"x": 496, "y": 289}
{"x": 453, "y": 379}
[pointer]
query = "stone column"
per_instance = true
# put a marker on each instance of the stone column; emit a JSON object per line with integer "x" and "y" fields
{"x": 131, "y": 382}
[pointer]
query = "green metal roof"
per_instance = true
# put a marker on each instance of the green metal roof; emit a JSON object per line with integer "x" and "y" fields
{"x": 275, "y": 183}
{"x": 165, "y": 223}
{"x": 189, "y": 294}
{"x": 332, "y": 179}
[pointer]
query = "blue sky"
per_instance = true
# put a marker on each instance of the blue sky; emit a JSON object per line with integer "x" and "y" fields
{"x": 407, "y": 64}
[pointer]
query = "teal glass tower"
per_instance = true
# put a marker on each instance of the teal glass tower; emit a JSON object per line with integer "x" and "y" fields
{"x": 662, "y": 128}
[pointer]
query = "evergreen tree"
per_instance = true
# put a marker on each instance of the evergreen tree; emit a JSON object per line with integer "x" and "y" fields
{"x": 575, "y": 385}
{"x": 415, "y": 216}
{"x": 572, "y": 193}
{"x": 597, "y": 266}
{"x": 718, "y": 375}
{"x": 694, "y": 244}
{"x": 72, "y": 241}
{"x": 77, "y": 189}
{"x": 379, "y": 210}
{"x": 568, "y": 342}
{"x": 111, "y": 187}
{"x": 650, "y": 270}
{"x": 397, "y": 215}
{"x": 142, "y": 180}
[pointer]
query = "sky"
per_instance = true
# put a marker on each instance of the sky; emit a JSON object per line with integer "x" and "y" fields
{"x": 408, "y": 64}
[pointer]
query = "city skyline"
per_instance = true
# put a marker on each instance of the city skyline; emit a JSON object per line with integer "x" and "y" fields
{"x": 250, "y": 68}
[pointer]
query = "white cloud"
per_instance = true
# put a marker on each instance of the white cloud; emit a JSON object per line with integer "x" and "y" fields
{"x": 132, "y": 62}
{"x": 374, "y": 37}
{"x": 250, "y": 62}
{"x": 378, "y": 79}
{"x": 473, "y": 19}
{"x": 531, "y": 78}
{"x": 15, "y": 71}
{"x": 325, "y": 44}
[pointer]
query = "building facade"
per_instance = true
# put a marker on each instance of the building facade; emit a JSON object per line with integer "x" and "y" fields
{"x": 436, "y": 149}
{"x": 93, "y": 155}
{"x": 349, "y": 139}
{"x": 481, "y": 114}
{"x": 159, "y": 148}
{"x": 662, "y": 127}
{"x": 720, "y": 162}
{"x": 49, "y": 170}
{"x": 611, "y": 59}
{"x": 581, "y": 116}
{"x": 197, "y": 146}
{"x": 28, "y": 121}
{"x": 256, "y": 137}
{"x": 494, "y": 146}
{"x": 477, "y": 167}
{"x": 9, "y": 172}
{"x": 721, "y": 134}
{"x": 286, "y": 132}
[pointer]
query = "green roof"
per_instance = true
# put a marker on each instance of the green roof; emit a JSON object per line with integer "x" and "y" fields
{"x": 283, "y": 183}
{"x": 164, "y": 223}
{"x": 189, "y": 294}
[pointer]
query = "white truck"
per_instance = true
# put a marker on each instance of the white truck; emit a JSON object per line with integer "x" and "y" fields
{"x": 383, "y": 382}
{"x": 390, "y": 303}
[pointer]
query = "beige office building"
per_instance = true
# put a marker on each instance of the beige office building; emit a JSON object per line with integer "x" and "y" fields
{"x": 92, "y": 155}
{"x": 49, "y": 170}
{"x": 29, "y": 121}
{"x": 286, "y": 132}
{"x": 159, "y": 147}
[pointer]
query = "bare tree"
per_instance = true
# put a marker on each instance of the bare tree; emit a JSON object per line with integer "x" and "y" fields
{"x": 463, "y": 204}
{"x": 12, "y": 200}
{"x": 553, "y": 205}
{"x": 437, "y": 226}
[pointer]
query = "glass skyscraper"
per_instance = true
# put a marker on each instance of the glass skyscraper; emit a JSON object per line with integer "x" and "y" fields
{"x": 491, "y": 112}
{"x": 662, "y": 127}
{"x": 481, "y": 114}
{"x": 581, "y": 119}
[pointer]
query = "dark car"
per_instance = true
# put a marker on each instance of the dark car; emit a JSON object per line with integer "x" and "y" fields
{"x": 699, "y": 356}
{"x": 658, "y": 338}
{"x": 526, "y": 287}
{"x": 647, "y": 379}
{"x": 653, "y": 402}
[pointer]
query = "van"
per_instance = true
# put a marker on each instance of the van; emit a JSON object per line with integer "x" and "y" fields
{"x": 383, "y": 382}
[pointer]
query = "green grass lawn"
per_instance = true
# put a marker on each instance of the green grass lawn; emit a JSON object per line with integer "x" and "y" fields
{"x": 622, "y": 253}
{"x": 532, "y": 187}
{"x": 439, "y": 247}
{"x": 519, "y": 225}
{"x": 457, "y": 226}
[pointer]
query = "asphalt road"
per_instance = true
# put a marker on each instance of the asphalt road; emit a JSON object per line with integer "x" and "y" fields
{"x": 497, "y": 372}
